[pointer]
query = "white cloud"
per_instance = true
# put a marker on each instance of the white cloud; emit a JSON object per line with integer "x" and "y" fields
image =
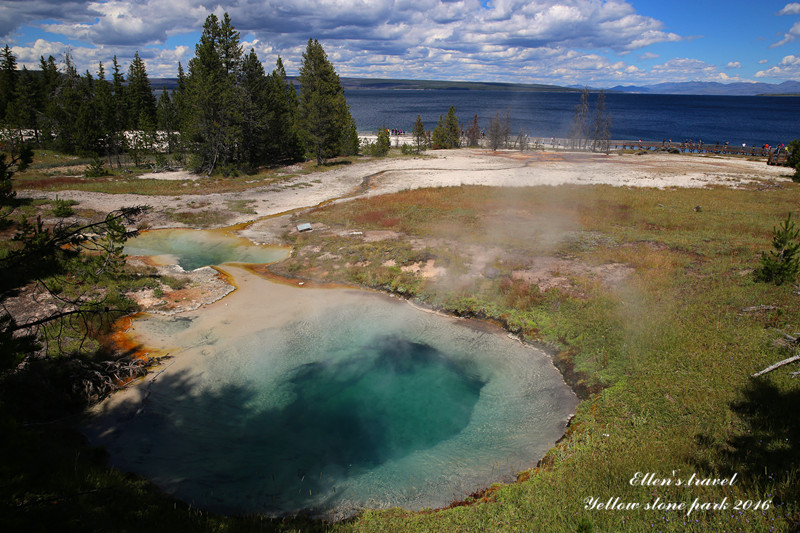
{"x": 685, "y": 69}
{"x": 734, "y": 64}
{"x": 787, "y": 68}
{"x": 763, "y": 61}
{"x": 125, "y": 23}
{"x": 14, "y": 13}
{"x": 159, "y": 62}
{"x": 794, "y": 31}
{"x": 29, "y": 55}
{"x": 440, "y": 38}
{"x": 649, "y": 55}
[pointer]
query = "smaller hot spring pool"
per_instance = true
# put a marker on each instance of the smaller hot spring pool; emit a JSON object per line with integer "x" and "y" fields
{"x": 193, "y": 249}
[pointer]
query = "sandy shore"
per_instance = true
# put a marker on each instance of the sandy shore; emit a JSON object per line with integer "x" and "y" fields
{"x": 444, "y": 168}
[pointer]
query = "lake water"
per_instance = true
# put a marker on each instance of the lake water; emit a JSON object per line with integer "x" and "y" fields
{"x": 753, "y": 120}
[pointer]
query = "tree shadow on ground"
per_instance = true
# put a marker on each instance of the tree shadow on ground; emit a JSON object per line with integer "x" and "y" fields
{"x": 765, "y": 452}
{"x": 336, "y": 163}
{"x": 54, "y": 481}
{"x": 47, "y": 389}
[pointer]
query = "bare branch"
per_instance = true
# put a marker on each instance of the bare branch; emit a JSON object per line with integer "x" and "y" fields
{"x": 759, "y": 308}
{"x": 777, "y": 365}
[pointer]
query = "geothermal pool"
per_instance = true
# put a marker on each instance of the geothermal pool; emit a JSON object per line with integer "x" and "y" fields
{"x": 193, "y": 249}
{"x": 281, "y": 399}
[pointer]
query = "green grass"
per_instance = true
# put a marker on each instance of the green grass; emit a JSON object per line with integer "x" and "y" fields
{"x": 241, "y": 206}
{"x": 198, "y": 219}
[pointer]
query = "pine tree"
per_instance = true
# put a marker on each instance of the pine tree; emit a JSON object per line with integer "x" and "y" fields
{"x": 350, "y": 142}
{"x": 139, "y": 95}
{"x": 104, "y": 107}
{"x": 284, "y": 140}
{"x": 447, "y": 133}
{"x": 212, "y": 123}
{"x": 88, "y": 128}
{"x": 65, "y": 106}
{"x": 230, "y": 50}
{"x": 383, "y": 142}
{"x": 49, "y": 81}
{"x": 23, "y": 114}
{"x": 452, "y": 128}
{"x": 119, "y": 121}
{"x": 232, "y": 96}
{"x": 420, "y": 139}
{"x": 167, "y": 119}
{"x": 179, "y": 101}
{"x": 255, "y": 134}
{"x": 782, "y": 264}
{"x": 8, "y": 80}
{"x": 323, "y": 112}
{"x": 439, "y": 141}
{"x": 120, "y": 99}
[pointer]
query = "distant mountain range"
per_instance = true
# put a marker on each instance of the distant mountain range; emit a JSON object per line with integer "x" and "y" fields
{"x": 412, "y": 85}
{"x": 692, "y": 87}
{"x": 713, "y": 88}
{"x": 689, "y": 87}
{"x": 421, "y": 85}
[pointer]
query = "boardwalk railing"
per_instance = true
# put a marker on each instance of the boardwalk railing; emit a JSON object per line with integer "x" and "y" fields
{"x": 774, "y": 155}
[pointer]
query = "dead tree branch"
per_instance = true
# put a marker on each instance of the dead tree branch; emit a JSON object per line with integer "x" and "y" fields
{"x": 792, "y": 340}
{"x": 777, "y": 365}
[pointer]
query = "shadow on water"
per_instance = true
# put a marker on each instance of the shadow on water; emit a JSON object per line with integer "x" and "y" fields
{"x": 768, "y": 445}
{"x": 341, "y": 419}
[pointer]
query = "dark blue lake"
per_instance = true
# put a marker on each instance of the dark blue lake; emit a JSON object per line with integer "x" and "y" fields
{"x": 755, "y": 120}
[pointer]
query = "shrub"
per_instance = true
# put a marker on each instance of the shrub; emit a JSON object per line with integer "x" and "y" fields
{"x": 63, "y": 208}
{"x": 794, "y": 159}
{"x": 95, "y": 169}
{"x": 782, "y": 263}
{"x": 380, "y": 147}
{"x": 174, "y": 283}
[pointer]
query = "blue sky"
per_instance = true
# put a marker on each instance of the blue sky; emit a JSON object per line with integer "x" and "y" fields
{"x": 601, "y": 43}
